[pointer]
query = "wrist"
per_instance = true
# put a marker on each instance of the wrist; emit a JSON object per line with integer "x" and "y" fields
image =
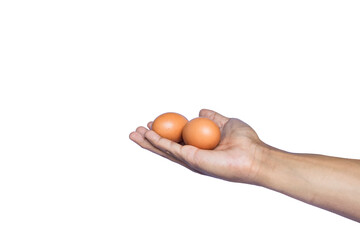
{"x": 267, "y": 160}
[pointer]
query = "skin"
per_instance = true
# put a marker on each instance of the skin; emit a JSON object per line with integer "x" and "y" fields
{"x": 327, "y": 182}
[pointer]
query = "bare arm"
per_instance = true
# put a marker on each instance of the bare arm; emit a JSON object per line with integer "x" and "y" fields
{"x": 326, "y": 182}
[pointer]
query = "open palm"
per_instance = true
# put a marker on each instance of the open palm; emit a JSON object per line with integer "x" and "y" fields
{"x": 234, "y": 159}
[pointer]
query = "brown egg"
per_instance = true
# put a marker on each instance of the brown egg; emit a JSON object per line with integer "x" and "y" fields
{"x": 202, "y": 133}
{"x": 170, "y": 126}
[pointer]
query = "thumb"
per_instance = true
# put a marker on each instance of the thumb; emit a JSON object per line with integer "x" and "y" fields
{"x": 219, "y": 119}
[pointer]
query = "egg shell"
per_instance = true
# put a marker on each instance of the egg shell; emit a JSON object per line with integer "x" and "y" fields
{"x": 202, "y": 133}
{"x": 170, "y": 125}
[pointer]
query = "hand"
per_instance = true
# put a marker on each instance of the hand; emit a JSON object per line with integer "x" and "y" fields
{"x": 327, "y": 182}
{"x": 236, "y": 158}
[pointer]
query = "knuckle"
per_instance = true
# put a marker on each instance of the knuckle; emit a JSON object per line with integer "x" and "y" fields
{"x": 162, "y": 143}
{"x": 193, "y": 162}
{"x": 143, "y": 145}
{"x": 168, "y": 152}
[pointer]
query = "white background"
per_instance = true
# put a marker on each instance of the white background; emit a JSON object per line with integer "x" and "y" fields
{"x": 76, "y": 77}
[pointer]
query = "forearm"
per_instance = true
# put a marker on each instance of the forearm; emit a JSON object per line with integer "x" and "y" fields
{"x": 326, "y": 182}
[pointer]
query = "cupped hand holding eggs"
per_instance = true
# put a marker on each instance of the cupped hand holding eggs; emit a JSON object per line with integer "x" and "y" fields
{"x": 200, "y": 132}
{"x": 233, "y": 158}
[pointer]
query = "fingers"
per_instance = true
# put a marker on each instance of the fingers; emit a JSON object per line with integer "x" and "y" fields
{"x": 139, "y": 138}
{"x": 165, "y": 145}
{"x": 219, "y": 119}
{"x": 197, "y": 160}
{"x": 185, "y": 153}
